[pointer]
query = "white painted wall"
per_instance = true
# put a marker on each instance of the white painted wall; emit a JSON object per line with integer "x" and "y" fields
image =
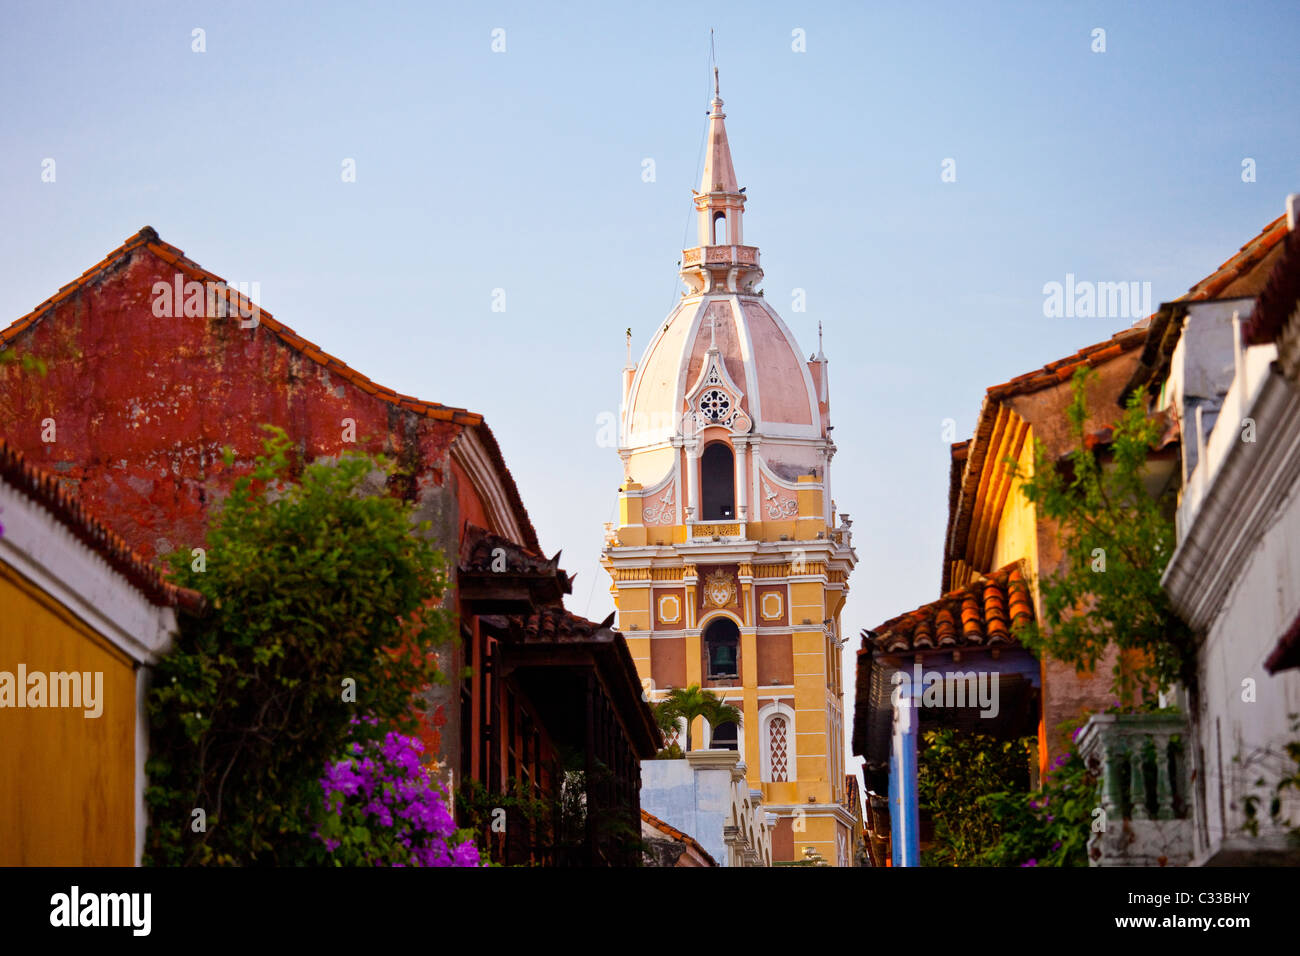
{"x": 1236, "y": 734}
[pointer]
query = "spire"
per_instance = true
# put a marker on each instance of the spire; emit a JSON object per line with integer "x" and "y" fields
{"x": 720, "y": 259}
{"x": 719, "y": 175}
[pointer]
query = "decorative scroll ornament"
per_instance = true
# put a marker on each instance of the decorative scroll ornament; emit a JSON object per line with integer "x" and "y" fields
{"x": 720, "y": 589}
{"x": 777, "y": 506}
{"x": 663, "y": 512}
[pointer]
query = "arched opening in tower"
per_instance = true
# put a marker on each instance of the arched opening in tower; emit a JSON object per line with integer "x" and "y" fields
{"x": 720, "y": 228}
{"x": 718, "y": 483}
{"x": 722, "y": 645}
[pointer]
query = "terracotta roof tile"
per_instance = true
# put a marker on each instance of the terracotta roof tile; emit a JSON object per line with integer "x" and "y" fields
{"x": 480, "y": 549}
{"x": 46, "y": 490}
{"x": 558, "y": 624}
{"x": 989, "y": 608}
{"x": 1054, "y": 372}
{"x": 669, "y": 830}
{"x": 1237, "y": 276}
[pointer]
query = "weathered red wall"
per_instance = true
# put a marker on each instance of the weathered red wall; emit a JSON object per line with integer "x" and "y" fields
{"x": 143, "y": 406}
{"x": 468, "y": 503}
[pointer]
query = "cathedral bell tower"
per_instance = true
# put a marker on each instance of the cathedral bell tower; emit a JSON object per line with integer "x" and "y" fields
{"x": 729, "y": 563}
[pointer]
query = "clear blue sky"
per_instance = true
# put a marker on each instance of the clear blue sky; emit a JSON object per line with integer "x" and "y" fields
{"x": 522, "y": 171}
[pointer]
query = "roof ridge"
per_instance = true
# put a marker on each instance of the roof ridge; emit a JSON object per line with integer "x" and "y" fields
{"x": 148, "y": 238}
{"x": 1047, "y": 375}
{"x": 1250, "y": 253}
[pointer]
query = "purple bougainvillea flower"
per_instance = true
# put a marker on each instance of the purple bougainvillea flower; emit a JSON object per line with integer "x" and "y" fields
{"x": 1056, "y": 845}
{"x": 466, "y": 855}
{"x": 384, "y": 788}
{"x": 1029, "y": 863}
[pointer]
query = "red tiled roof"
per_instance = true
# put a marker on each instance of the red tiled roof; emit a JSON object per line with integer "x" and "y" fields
{"x": 1054, "y": 373}
{"x": 47, "y": 491}
{"x": 984, "y": 613}
{"x": 479, "y": 548}
{"x": 670, "y": 830}
{"x": 491, "y": 566}
{"x": 147, "y": 239}
{"x": 1241, "y": 275}
{"x": 557, "y": 624}
{"x": 1280, "y": 296}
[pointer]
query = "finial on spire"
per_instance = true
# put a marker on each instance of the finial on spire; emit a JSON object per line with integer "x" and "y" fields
{"x": 716, "y": 94}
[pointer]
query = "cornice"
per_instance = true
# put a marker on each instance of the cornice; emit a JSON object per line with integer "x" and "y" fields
{"x": 1239, "y": 507}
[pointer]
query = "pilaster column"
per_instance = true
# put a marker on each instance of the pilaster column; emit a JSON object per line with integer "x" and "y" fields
{"x": 740, "y": 446}
{"x": 751, "y": 477}
{"x": 692, "y": 479}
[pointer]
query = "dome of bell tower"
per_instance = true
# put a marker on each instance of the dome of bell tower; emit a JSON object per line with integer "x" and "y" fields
{"x": 724, "y": 357}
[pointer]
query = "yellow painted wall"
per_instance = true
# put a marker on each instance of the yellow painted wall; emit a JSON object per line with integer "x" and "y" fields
{"x": 634, "y": 608}
{"x": 67, "y": 782}
{"x": 1017, "y": 535}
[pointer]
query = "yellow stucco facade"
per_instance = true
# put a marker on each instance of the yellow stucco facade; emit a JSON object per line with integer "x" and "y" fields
{"x": 785, "y": 596}
{"x": 68, "y": 790}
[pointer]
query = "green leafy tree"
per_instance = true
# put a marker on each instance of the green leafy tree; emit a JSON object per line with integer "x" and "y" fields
{"x": 323, "y": 604}
{"x": 691, "y": 702}
{"x": 955, "y": 770}
{"x": 1117, "y": 539}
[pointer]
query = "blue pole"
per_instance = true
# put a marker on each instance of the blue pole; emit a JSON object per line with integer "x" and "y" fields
{"x": 904, "y": 813}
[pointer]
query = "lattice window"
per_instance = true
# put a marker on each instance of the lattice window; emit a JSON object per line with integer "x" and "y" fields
{"x": 776, "y": 730}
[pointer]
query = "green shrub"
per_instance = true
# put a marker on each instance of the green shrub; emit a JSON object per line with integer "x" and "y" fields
{"x": 310, "y": 585}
